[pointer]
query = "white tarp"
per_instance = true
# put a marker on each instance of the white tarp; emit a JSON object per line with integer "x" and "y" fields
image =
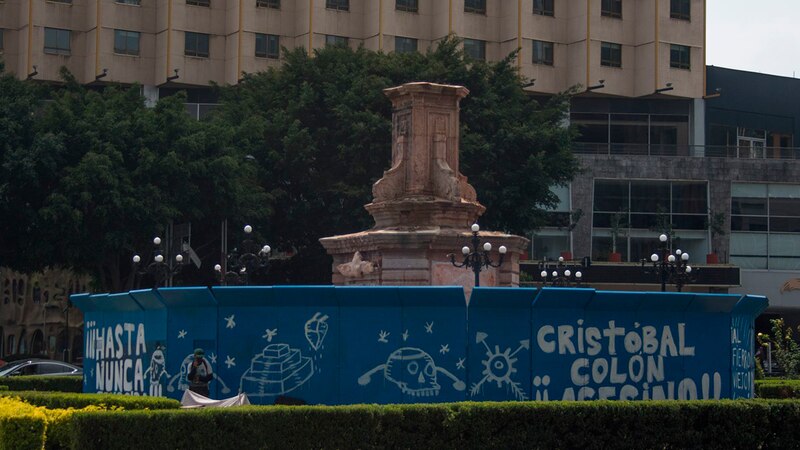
{"x": 194, "y": 400}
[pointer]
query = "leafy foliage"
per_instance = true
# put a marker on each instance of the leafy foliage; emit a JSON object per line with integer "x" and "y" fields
{"x": 88, "y": 177}
{"x": 320, "y": 128}
{"x": 785, "y": 348}
{"x": 741, "y": 424}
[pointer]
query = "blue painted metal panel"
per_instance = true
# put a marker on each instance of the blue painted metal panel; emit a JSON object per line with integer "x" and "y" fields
{"x": 191, "y": 323}
{"x": 499, "y": 344}
{"x": 435, "y": 326}
{"x": 742, "y": 358}
{"x": 334, "y": 345}
{"x": 373, "y": 353}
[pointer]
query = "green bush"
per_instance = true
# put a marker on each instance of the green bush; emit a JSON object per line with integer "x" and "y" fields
{"x": 22, "y": 426}
{"x": 39, "y": 383}
{"x": 776, "y": 388}
{"x": 64, "y": 400}
{"x": 728, "y": 424}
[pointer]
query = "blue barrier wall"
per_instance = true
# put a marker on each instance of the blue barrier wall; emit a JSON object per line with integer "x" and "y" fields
{"x": 342, "y": 345}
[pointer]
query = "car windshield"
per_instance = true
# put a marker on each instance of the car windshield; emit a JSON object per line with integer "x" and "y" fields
{"x": 10, "y": 368}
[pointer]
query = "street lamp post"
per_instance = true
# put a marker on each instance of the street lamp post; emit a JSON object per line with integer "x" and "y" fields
{"x": 242, "y": 265}
{"x": 159, "y": 269}
{"x": 669, "y": 267}
{"x": 476, "y": 259}
{"x": 560, "y": 274}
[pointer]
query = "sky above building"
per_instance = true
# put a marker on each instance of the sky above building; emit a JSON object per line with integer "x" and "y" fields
{"x": 762, "y": 36}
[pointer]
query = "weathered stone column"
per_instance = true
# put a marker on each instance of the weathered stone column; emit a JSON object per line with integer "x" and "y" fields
{"x": 423, "y": 206}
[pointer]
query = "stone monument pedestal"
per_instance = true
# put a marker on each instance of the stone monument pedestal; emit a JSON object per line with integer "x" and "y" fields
{"x": 423, "y": 206}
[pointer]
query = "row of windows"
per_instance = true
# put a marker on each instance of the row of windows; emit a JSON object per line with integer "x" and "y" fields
{"x": 765, "y": 226}
{"x": 678, "y": 9}
{"x": 611, "y": 55}
{"x": 57, "y": 41}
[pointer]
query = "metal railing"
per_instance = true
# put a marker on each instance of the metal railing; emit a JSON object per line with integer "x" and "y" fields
{"x": 702, "y": 151}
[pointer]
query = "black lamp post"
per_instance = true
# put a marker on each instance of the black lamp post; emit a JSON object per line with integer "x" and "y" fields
{"x": 241, "y": 265}
{"x": 159, "y": 268}
{"x": 669, "y": 267}
{"x": 560, "y": 274}
{"x": 474, "y": 258}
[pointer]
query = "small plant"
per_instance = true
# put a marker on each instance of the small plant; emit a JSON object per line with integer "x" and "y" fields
{"x": 785, "y": 349}
{"x": 618, "y": 226}
{"x": 715, "y": 223}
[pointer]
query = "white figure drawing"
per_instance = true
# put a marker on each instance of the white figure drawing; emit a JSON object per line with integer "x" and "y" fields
{"x": 543, "y": 382}
{"x": 156, "y": 370}
{"x": 278, "y": 369}
{"x": 499, "y": 367}
{"x": 316, "y": 329}
{"x": 231, "y": 323}
{"x": 413, "y": 371}
{"x": 269, "y": 334}
{"x": 382, "y": 336}
{"x": 181, "y": 334}
{"x": 183, "y": 383}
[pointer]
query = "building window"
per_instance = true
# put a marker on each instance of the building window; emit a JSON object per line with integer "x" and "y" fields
{"x": 610, "y": 54}
{"x": 631, "y": 134}
{"x": 407, "y": 5}
{"x": 475, "y": 49}
{"x": 196, "y": 44}
{"x": 642, "y": 209}
{"x": 56, "y": 41}
{"x": 543, "y": 7}
{"x": 336, "y": 41}
{"x": 680, "y": 9}
{"x": 405, "y": 45}
{"x": 126, "y": 42}
{"x": 274, "y": 4}
{"x": 680, "y": 56}
{"x": 611, "y": 8}
{"x": 206, "y": 3}
{"x": 553, "y": 239}
{"x": 129, "y": 2}
{"x": 267, "y": 46}
{"x": 341, "y": 5}
{"x": 543, "y": 53}
{"x": 475, "y": 6}
{"x": 765, "y": 226}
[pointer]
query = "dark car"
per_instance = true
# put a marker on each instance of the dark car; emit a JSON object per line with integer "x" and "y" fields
{"x": 39, "y": 367}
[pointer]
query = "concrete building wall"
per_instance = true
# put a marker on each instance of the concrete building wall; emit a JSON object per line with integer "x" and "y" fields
{"x": 575, "y": 27}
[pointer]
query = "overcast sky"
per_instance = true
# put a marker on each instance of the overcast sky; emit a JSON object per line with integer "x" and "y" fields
{"x": 758, "y": 36}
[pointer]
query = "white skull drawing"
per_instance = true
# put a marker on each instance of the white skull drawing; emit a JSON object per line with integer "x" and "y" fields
{"x": 414, "y": 371}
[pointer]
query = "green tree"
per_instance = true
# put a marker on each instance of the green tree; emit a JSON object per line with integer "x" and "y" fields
{"x": 112, "y": 173}
{"x": 320, "y": 128}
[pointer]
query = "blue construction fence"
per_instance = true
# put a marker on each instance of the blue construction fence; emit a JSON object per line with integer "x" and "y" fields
{"x": 343, "y": 345}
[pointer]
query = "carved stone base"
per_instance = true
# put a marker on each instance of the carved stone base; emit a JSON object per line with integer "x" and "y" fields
{"x": 419, "y": 257}
{"x": 410, "y": 213}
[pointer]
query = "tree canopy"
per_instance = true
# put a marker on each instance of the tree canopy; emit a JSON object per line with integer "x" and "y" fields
{"x": 320, "y": 127}
{"x": 88, "y": 177}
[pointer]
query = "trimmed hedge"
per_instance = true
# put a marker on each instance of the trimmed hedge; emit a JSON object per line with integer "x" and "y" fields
{"x": 727, "y": 424}
{"x": 54, "y": 400}
{"x": 777, "y": 388}
{"x": 68, "y": 383}
{"x": 22, "y": 426}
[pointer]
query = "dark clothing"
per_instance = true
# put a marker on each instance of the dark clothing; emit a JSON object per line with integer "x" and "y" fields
{"x": 199, "y": 377}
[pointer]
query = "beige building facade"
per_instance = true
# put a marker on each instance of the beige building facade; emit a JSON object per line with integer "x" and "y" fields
{"x": 630, "y": 44}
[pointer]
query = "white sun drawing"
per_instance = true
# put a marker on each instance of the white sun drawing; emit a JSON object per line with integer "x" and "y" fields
{"x": 498, "y": 367}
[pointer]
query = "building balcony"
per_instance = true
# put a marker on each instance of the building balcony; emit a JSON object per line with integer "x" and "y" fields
{"x": 703, "y": 151}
